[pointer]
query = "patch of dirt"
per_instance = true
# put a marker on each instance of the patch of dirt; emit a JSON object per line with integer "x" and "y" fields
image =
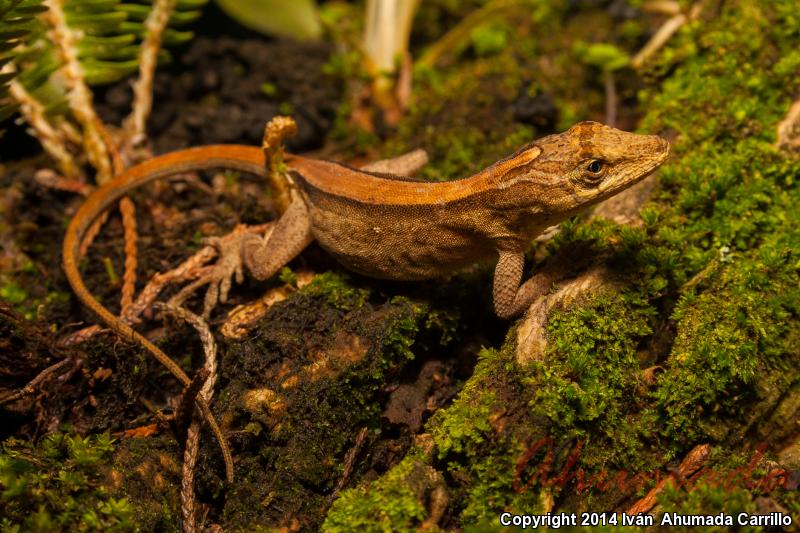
{"x": 224, "y": 90}
{"x": 219, "y": 89}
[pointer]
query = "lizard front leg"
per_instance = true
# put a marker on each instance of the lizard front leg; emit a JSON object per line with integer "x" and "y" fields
{"x": 511, "y": 298}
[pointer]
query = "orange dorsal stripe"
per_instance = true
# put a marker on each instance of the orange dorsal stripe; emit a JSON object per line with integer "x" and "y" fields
{"x": 345, "y": 182}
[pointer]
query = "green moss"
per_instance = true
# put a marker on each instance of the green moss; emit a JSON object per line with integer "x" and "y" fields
{"x": 728, "y": 217}
{"x": 741, "y": 329}
{"x": 465, "y": 424}
{"x": 591, "y": 365}
{"x": 582, "y": 390}
{"x": 13, "y": 293}
{"x": 336, "y": 290}
{"x": 59, "y": 485}
{"x": 392, "y": 503}
{"x": 708, "y": 499}
{"x": 492, "y": 492}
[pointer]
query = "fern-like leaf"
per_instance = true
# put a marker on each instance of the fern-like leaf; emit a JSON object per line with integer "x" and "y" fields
{"x": 111, "y": 32}
{"x": 16, "y": 20}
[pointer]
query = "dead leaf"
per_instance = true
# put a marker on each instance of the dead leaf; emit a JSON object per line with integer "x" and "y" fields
{"x": 142, "y": 431}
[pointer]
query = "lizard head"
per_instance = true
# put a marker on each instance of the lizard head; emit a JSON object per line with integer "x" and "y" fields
{"x": 591, "y": 162}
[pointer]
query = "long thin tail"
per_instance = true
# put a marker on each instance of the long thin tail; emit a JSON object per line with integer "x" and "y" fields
{"x": 244, "y": 158}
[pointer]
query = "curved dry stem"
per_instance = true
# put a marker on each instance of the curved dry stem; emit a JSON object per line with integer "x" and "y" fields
{"x": 35, "y": 382}
{"x": 664, "y": 34}
{"x": 135, "y": 124}
{"x": 79, "y": 95}
{"x": 51, "y": 138}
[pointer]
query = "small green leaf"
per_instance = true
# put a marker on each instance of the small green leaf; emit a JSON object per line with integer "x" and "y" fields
{"x": 603, "y": 55}
{"x": 182, "y": 18}
{"x": 98, "y": 23}
{"x": 298, "y": 19}
{"x": 174, "y": 37}
{"x": 12, "y": 35}
{"x": 99, "y": 72}
{"x": 182, "y": 5}
{"x": 6, "y": 111}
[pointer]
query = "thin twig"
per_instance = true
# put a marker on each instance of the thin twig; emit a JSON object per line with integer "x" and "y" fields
{"x": 79, "y": 95}
{"x": 117, "y": 164}
{"x": 188, "y": 500}
{"x": 454, "y": 38}
{"x": 184, "y": 414}
{"x": 690, "y": 465}
{"x": 128, "y": 211}
{"x": 664, "y": 34}
{"x": 155, "y": 24}
{"x": 80, "y": 336}
{"x": 92, "y": 231}
{"x": 68, "y": 131}
{"x": 665, "y": 7}
{"x": 349, "y": 462}
{"x": 35, "y": 382}
{"x": 611, "y": 98}
{"x": 51, "y": 180}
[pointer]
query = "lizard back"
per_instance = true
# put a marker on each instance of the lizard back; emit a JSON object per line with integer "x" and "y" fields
{"x": 397, "y": 228}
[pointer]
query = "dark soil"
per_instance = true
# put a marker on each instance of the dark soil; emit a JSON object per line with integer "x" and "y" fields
{"x": 224, "y": 90}
{"x": 221, "y": 88}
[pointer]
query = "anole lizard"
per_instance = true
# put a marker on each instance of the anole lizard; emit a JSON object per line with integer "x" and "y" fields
{"x": 393, "y": 227}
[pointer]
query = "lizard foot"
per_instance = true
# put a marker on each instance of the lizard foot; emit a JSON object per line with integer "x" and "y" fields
{"x": 229, "y": 267}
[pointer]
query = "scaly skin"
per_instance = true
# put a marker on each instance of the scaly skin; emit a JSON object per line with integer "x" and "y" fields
{"x": 393, "y": 227}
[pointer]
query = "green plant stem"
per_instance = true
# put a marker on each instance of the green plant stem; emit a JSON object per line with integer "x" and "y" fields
{"x": 460, "y": 33}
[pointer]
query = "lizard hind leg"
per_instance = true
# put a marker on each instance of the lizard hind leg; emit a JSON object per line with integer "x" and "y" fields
{"x": 263, "y": 255}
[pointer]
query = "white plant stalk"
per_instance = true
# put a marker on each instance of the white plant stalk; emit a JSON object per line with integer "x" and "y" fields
{"x": 386, "y": 33}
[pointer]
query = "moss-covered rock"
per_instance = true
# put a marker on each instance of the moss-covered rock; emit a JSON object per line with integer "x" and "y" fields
{"x": 399, "y": 501}
{"x": 303, "y": 384}
{"x": 696, "y": 342}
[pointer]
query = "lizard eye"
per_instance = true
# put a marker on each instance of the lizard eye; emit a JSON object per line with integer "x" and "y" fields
{"x": 595, "y": 166}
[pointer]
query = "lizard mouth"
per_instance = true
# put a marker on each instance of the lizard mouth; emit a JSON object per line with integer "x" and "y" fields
{"x": 664, "y": 149}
